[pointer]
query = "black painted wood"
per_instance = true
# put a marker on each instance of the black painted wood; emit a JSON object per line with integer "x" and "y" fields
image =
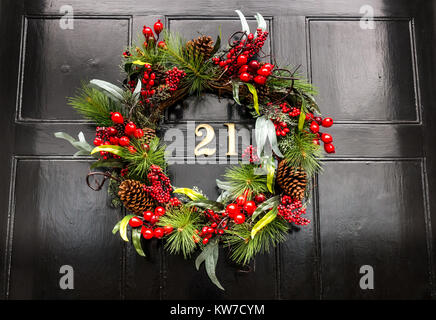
{"x": 373, "y": 205}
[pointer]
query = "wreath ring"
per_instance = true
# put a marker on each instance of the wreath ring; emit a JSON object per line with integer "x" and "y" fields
{"x": 262, "y": 197}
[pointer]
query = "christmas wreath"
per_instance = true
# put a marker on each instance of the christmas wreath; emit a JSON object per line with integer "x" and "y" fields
{"x": 262, "y": 197}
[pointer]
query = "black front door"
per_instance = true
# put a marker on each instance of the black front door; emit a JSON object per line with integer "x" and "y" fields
{"x": 373, "y": 206}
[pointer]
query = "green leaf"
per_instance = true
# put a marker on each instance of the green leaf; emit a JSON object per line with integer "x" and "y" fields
{"x": 117, "y": 150}
{"x": 255, "y": 99}
{"x": 191, "y": 194}
{"x": 136, "y": 238}
{"x": 261, "y": 23}
{"x": 244, "y": 24}
{"x": 111, "y": 90}
{"x": 110, "y": 163}
{"x": 123, "y": 226}
{"x": 217, "y": 45}
{"x": 235, "y": 86}
{"x": 271, "y": 169}
{"x": 302, "y": 117}
{"x": 206, "y": 204}
{"x": 270, "y": 216}
{"x": 223, "y": 185}
{"x": 116, "y": 227}
{"x": 266, "y": 205}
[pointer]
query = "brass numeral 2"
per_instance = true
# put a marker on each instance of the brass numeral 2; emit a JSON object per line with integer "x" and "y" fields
{"x": 201, "y": 149}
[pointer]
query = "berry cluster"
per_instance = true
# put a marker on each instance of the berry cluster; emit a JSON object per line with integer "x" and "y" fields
{"x": 173, "y": 78}
{"x": 148, "y": 224}
{"x": 148, "y": 81}
{"x": 216, "y": 225}
{"x": 148, "y": 33}
{"x": 160, "y": 188}
{"x": 254, "y": 71}
{"x": 325, "y": 137}
{"x": 281, "y": 128}
{"x": 239, "y": 55}
{"x": 250, "y": 153}
{"x": 175, "y": 202}
{"x": 238, "y": 211}
{"x": 291, "y": 210}
{"x": 114, "y": 136}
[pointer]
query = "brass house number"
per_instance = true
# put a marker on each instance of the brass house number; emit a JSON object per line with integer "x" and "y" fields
{"x": 202, "y": 150}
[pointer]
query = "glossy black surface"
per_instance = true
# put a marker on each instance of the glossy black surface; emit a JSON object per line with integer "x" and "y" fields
{"x": 373, "y": 205}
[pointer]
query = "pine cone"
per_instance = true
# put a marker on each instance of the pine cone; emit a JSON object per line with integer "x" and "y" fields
{"x": 149, "y": 134}
{"x": 159, "y": 72}
{"x": 134, "y": 197}
{"x": 292, "y": 180}
{"x": 263, "y": 92}
{"x": 202, "y": 45}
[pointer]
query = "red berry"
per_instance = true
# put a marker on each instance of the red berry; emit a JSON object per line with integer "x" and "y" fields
{"x": 158, "y": 233}
{"x": 147, "y": 32}
{"x": 254, "y": 64}
{"x": 326, "y": 138}
{"x": 269, "y": 66}
{"x": 318, "y": 120}
{"x": 264, "y": 72}
{"x": 250, "y": 207}
{"x": 130, "y": 128}
{"x": 146, "y": 147}
{"x": 147, "y": 233}
{"x": 259, "y": 198}
{"x": 148, "y": 215}
{"x": 131, "y": 149}
{"x": 232, "y": 209}
{"x": 239, "y": 218}
{"x": 124, "y": 141}
{"x": 117, "y": 118}
{"x": 314, "y": 127}
{"x": 160, "y": 211}
{"x": 260, "y": 80}
{"x": 240, "y": 201}
{"x": 98, "y": 142}
{"x": 135, "y": 222}
{"x": 243, "y": 69}
{"x": 112, "y": 131}
{"x": 168, "y": 229}
{"x": 329, "y": 148}
{"x": 205, "y": 240}
{"x": 250, "y": 37}
{"x": 114, "y": 140}
{"x": 139, "y": 133}
{"x": 242, "y": 60}
{"x": 154, "y": 218}
{"x": 327, "y": 122}
{"x": 158, "y": 27}
{"x": 316, "y": 141}
{"x": 244, "y": 77}
{"x": 162, "y": 45}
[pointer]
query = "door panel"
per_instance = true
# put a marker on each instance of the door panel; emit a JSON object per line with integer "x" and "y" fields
{"x": 373, "y": 204}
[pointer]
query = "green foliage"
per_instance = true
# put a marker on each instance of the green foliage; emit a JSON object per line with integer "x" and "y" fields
{"x": 243, "y": 177}
{"x": 243, "y": 248}
{"x": 113, "y": 192}
{"x": 141, "y": 160}
{"x": 198, "y": 71}
{"x": 300, "y": 151}
{"x": 95, "y": 105}
{"x": 185, "y": 221}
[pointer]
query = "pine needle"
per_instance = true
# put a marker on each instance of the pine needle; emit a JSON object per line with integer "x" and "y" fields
{"x": 245, "y": 177}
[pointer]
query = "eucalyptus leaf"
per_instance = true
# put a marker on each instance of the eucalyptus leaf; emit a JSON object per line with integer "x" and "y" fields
{"x": 244, "y": 24}
{"x": 210, "y": 264}
{"x": 261, "y": 23}
{"x": 223, "y": 185}
{"x": 261, "y": 134}
{"x": 136, "y": 239}
{"x": 266, "y": 205}
{"x": 271, "y": 131}
{"x": 206, "y": 204}
{"x": 266, "y": 219}
{"x": 123, "y": 227}
{"x": 235, "y": 86}
{"x": 81, "y": 144}
{"x": 137, "y": 91}
{"x": 111, "y": 90}
{"x": 203, "y": 255}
